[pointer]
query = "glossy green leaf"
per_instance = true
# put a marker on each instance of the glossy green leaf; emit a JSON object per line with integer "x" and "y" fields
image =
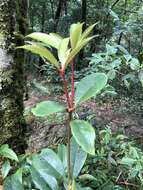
{"x": 78, "y": 158}
{"x": 88, "y": 31}
{"x": 75, "y": 34}
{"x": 77, "y": 49}
{"x": 6, "y": 152}
{"x": 12, "y": 183}
{"x": 62, "y": 51}
{"x": 6, "y": 167}
{"x": 62, "y": 153}
{"x": 52, "y": 158}
{"x": 84, "y": 135}
{"x": 18, "y": 175}
{"x": 38, "y": 180}
{"x": 49, "y": 39}
{"x": 90, "y": 86}
{"x": 46, "y": 108}
{"x": 46, "y": 181}
{"x": 42, "y": 51}
{"x": 41, "y": 165}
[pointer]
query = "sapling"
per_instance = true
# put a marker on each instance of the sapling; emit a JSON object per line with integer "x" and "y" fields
{"x": 67, "y": 48}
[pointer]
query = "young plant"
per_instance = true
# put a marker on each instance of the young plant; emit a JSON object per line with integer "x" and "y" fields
{"x": 88, "y": 87}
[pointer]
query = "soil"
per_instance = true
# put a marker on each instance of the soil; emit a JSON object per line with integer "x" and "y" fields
{"x": 115, "y": 114}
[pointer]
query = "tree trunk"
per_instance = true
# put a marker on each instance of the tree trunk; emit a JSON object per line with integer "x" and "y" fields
{"x": 12, "y": 28}
{"x": 58, "y": 13}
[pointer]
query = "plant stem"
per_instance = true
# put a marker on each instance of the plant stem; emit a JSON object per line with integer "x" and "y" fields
{"x": 66, "y": 90}
{"x": 69, "y": 151}
{"x": 70, "y": 104}
{"x": 72, "y": 83}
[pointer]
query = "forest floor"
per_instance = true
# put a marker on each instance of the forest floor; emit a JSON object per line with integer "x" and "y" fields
{"x": 122, "y": 115}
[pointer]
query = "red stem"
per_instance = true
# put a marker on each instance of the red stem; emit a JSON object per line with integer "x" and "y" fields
{"x": 66, "y": 89}
{"x": 72, "y": 83}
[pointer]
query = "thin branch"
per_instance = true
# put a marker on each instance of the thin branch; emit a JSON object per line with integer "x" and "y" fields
{"x": 113, "y": 5}
{"x": 72, "y": 83}
{"x": 66, "y": 89}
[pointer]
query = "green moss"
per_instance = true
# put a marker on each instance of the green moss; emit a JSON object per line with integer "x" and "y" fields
{"x": 11, "y": 70}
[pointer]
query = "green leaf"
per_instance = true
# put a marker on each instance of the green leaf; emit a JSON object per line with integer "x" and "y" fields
{"x": 12, "y": 183}
{"x": 74, "y": 185}
{"x": 140, "y": 75}
{"x": 18, "y": 175}
{"x": 46, "y": 108}
{"x": 42, "y": 51}
{"x": 62, "y": 153}
{"x": 46, "y": 179}
{"x": 134, "y": 64}
{"x": 78, "y": 158}
{"x": 52, "y": 158}
{"x": 38, "y": 180}
{"x": 111, "y": 74}
{"x": 89, "y": 177}
{"x": 77, "y": 49}
{"x": 6, "y": 152}
{"x": 75, "y": 34}
{"x": 51, "y": 39}
{"x": 41, "y": 165}
{"x": 127, "y": 161}
{"x": 88, "y": 31}
{"x": 84, "y": 135}
{"x": 90, "y": 86}
{"x": 62, "y": 51}
{"x": 6, "y": 167}
{"x": 111, "y": 50}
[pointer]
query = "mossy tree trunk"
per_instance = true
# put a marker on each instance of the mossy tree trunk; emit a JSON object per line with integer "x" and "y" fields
{"x": 12, "y": 28}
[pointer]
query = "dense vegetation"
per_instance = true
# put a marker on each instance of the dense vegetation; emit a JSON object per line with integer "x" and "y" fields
{"x": 72, "y": 111}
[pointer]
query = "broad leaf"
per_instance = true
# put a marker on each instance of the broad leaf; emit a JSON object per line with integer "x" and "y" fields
{"x": 52, "y": 158}
{"x": 18, "y": 175}
{"x": 38, "y": 180}
{"x": 88, "y": 31}
{"x": 42, "y": 51}
{"x": 6, "y": 167}
{"x": 75, "y": 34}
{"x": 62, "y": 51}
{"x": 12, "y": 183}
{"x": 41, "y": 165}
{"x": 77, "y": 49}
{"x": 46, "y": 108}
{"x": 49, "y": 39}
{"x": 78, "y": 158}
{"x": 6, "y": 152}
{"x": 62, "y": 153}
{"x": 84, "y": 135}
{"x": 90, "y": 86}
